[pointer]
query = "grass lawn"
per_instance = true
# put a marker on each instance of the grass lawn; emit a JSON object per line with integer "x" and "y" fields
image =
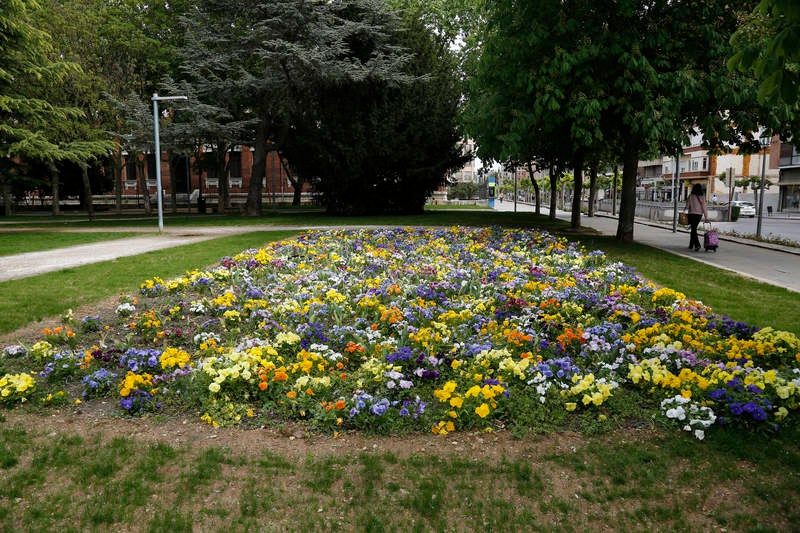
{"x": 37, "y": 241}
{"x": 152, "y": 475}
{"x": 84, "y": 466}
{"x": 32, "y": 299}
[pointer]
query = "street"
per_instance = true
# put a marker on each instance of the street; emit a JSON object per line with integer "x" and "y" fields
{"x": 778, "y": 226}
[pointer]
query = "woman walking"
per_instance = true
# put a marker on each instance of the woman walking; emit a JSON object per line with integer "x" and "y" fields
{"x": 696, "y": 206}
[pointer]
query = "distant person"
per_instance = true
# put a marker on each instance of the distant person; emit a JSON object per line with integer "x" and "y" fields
{"x": 696, "y": 207}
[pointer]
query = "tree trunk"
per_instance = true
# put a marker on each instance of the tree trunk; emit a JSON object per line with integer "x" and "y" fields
{"x": 54, "y": 188}
{"x": 224, "y": 204}
{"x": 553, "y": 191}
{"x": 297, "y": 184}
{"x": 538, "y": 203}
{"x": 577, "y": 194}
{"x": 254, "y": 200}
{"x": 141, "y": 175}
{"x": 627, "y": 207}
{"x": 116, "y": 171}
{"x": 8, "y": 198}
{"x": 592, "y": 187}
{"x": 87, "y": 191}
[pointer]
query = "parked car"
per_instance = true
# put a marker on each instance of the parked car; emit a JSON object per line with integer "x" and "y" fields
{"x": 746, "y": 209}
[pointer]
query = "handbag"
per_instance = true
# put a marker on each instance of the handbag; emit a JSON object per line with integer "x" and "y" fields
{"x": 683, "y": 218}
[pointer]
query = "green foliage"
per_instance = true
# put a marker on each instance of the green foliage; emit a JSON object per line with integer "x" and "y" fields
{"x": 767, "y": 44}
{"x": 463, "y": 191}
{"x": 563, "y": 82}
{"x": 27, "y": 66}
{"x": 385, "y": 143}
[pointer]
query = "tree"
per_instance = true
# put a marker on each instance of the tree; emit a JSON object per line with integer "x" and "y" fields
{"x": 208, "y": 130}
{"x": 273, "y": 57}
{"x": 134, "y": 135}
{"x": 379, "y": 145}
{"x": 631, "y": 76}
{"x": 534, "y": 95}
{"x": 25, "y": 114}
{"x": 767, "y": 45}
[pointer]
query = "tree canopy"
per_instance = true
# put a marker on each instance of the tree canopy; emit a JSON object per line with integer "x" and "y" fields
{"x": 569, "y": 81}
{"x": 323, "y": 82}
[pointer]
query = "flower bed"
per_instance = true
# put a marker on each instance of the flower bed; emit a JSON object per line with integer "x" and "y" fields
{"x": 419, "y": 329}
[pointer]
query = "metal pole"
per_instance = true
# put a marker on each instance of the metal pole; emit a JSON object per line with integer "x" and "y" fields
{"x": 677, "y": 175}
{"x": 764, "y": 145}
{"x": 158, "y": 162}
{"x": 515, "y": 189}
{"x": 675, "y": 197}
{"x": 155, "y": 99}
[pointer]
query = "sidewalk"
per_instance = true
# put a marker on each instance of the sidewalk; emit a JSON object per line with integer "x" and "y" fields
{"x": 773, "y": 264}
{"x": 776, "y": 265}
{"x": 764, "y": 262}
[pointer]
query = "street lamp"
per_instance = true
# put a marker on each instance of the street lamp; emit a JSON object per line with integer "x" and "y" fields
{"x": 156, "y": 99}
{"x": 765, "y": 140}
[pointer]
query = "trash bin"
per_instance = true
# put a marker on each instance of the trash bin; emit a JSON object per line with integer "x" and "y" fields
{"x": 201, "y": 205}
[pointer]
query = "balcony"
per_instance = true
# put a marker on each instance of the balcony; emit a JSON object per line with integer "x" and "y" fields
{"x": 789, "y": 161}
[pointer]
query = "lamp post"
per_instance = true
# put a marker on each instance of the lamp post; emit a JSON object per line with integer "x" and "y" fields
{"x": 156, "y": 99}
{"x": 765, "y": 141}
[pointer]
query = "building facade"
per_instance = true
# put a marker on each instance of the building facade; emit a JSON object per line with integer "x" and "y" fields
{"x": 789, "y": 180}
{"x": 139, "y": 174}
{"x": 713, "y": 172}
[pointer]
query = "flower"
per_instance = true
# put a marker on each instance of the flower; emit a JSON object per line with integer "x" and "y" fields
{"x": 396, "y": 329}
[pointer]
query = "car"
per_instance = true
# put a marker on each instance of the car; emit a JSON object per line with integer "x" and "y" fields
{"x": 746, "y": 209}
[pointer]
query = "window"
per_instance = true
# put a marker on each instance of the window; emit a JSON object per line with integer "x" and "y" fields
{"x": 151, "y": 166}
{"x": 130, "y": 170}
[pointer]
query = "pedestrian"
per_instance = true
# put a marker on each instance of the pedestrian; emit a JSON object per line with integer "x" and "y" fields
{"x": 696, "y": 206}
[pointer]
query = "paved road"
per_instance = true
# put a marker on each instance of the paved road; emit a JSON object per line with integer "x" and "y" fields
{"x": 777, "y": 265}
{"x": 771, "y": 264}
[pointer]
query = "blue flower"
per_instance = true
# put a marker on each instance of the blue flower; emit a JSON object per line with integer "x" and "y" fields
{"x": 380, "y": 408}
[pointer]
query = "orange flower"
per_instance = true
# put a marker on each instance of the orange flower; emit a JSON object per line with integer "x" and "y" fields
{"x": 340, "y": 404}
{"x": 291, "y": 394}
{"x": 353, "y": 347}
{"x": 280, "y": 375}
{"x": 262, "y": 385}
{"x": 310, "y": 392}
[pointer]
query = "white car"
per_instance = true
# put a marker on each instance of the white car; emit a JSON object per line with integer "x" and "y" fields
{"x": 746, "y": 209}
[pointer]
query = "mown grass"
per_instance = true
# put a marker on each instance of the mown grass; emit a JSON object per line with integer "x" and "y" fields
{"x": 310, "y": 217}
{"x": 30, "y": 241}
{"x": 635, "y": 480}
{"x": 726, "y": 292}
{"x": 49, "y": 295}
{"x": 53, "y": 477}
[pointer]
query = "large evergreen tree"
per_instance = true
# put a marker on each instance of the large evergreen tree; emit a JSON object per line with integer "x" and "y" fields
{"x": 26, "y": 113}
{"x": 378, "y": 146}
{"x": 325, "y": 81}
